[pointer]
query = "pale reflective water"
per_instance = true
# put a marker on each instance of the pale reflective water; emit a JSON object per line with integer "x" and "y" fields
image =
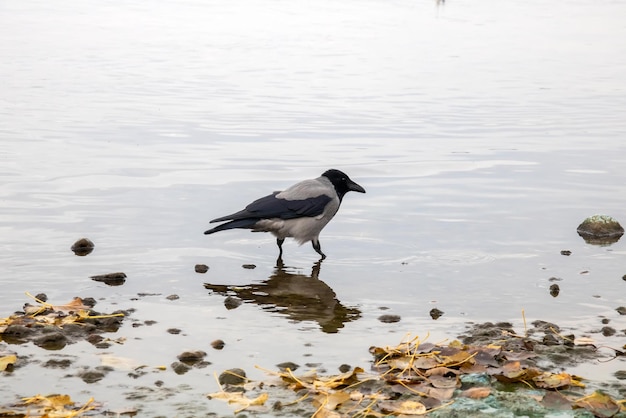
{"x": 484, "y": 133}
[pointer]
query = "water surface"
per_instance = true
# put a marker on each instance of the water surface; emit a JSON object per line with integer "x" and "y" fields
{"x": 484, "y": 133}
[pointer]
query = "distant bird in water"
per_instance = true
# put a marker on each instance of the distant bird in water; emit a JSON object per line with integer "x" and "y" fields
{"x": 299, "y": 212}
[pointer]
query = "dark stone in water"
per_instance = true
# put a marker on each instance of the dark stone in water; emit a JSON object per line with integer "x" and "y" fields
{"x": 249, "y": 266}
{"x": 111, "y": 279}
{"x": 232, "y": 377}
{"x": 53, "y": 340}
{"x": 345, "y": 368}
{"x": 389, "y": 319}
{"x": 566, "y": 252}
{"x": 191, "y": 357}
{"x": 16, "y": 334}
{"x": 174, "y": 331}
{"x": 232, "y": 302}
{"x": 288, "y": 365}
{"x": 435, "y": 313}
{"x": 621, "y": 310}
{"x": 608, "y": 331}
{"x": 201, "y": 268}
{"x": 41, "y": 296}
{"x": 218, "y": 344}
{"x": 600, "y": 230}
{"x": 92, "y": 376}
{"x": 172, "y": 297}
{"x": 57, "y": 364}
{"x": 83, "y": 247}
{"x": 554, "y": 290}
{"x": 180, "y": 368}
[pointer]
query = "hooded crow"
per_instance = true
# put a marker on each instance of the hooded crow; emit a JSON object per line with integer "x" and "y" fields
{"x": 300, "y": 212}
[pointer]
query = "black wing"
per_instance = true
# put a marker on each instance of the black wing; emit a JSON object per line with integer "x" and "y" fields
{"x": 272, "y": 207}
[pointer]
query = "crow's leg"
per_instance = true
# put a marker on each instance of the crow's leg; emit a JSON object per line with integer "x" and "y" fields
{"x": 279, "y": 242}
{"x": 318, "y": 248}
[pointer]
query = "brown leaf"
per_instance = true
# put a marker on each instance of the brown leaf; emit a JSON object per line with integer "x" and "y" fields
{"x": 554, "y": 400}
{"x": 599, "y": 404}
{"x": 548, "y": 380}
{"x": 476, "y": 392}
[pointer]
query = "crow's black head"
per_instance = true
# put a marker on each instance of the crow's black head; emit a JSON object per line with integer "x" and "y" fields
{"x": 342, "y": 182}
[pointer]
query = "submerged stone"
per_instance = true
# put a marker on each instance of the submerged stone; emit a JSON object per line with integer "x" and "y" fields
{"x": 232, "y": 377}
{"x": 600, "y": 230}
{"x": 83, "y": 246}
{"x": 111, "y": 279}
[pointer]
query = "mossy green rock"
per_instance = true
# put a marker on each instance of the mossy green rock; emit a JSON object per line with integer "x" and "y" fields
{"x": 600, "y": 230}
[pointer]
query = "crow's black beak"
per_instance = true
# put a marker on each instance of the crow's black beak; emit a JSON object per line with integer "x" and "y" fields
{"x": 352, "y": 186}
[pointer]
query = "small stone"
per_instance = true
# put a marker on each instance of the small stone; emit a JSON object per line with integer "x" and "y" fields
{"x": 180, "y": 368}
{"x": 550, "y": 339}
{"x": 57, "y": 364}
{"x": 621, "y": 310}
{"x": 288, "y": 365}
{"x": 249, "y": 266}
{"x": 191, "y": 357}
{"x": 201, "y": 268}
{"x": 218, "y": 344}
{"x": 435, "y": 313}
{"x": 605, "y": 321}
{"x": 91, "y": 376}
{"x": 173, "y": 331}
{"x": 83, "y": 246}
{"x": 172, "y": 297}
{"x": 232, "y": 377}
{"x": 345, "y": 368}
{"x": 111, "y": 279}
{"x": 566, "y": 252}
{"x": 620, "y": 374}
{"x": 555, "y": 279}
{"x": 389, "y": 319}
{"x": 624, "y": 277}
{"x": 41, "y": 296}
{"x": 51, "y": 341}
{"x": 232, "y": 302}
{"x": 608, "y": 331}
{"x": 554, "y": 290}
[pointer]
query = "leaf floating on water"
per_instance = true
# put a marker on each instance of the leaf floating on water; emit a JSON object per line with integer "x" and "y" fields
{"x": 59, "y": 406}
{"x": 7, "y": 361}
{"x": 239, "y": 399}
{"x": 599, "y": 404}
{"x": 552, "y": 381}
{"x": 404, "y": 408}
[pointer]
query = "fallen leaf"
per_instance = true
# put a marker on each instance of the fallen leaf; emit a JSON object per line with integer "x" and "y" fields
{"x": 239, "y": 398}
{"x": 599, "y": 404}
{"x": 403, "y": 408}
{"x": 548, "y": 380}
{"x": 476, "y": 392}
{"x": 7, "y": 361}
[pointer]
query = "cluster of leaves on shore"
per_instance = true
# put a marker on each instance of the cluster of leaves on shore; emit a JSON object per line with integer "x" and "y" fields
{"x": 51, "y": 327}
{"x": 51, "y": 406}
{"x": 420, "y": 378}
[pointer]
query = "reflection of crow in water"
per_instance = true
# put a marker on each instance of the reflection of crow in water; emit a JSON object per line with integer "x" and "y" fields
{"x": 297, "y": 296}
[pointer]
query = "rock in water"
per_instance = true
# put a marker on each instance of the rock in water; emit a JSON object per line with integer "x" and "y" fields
{"x": 83, "y": 247}
{"x": 600, "y": 230}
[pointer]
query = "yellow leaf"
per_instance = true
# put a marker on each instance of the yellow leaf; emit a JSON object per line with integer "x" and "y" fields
{"x": 239, "y": 398}
{"x": 404, "y": 408}
{"x": 6, "y": 361}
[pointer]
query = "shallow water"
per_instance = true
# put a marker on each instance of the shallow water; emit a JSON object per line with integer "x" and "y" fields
{"x": 483, "y": 133}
